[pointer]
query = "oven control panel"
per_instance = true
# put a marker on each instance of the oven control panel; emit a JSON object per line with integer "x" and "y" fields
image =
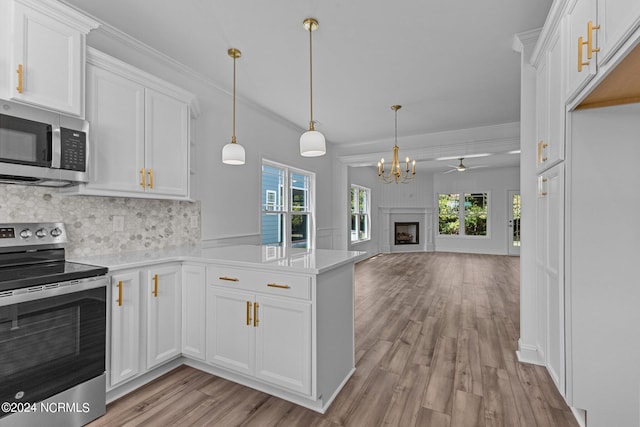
{"x": 32, "y": 234}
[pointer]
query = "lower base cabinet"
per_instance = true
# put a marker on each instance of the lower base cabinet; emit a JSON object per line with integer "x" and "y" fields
{"x": 260, "y": 336}
{"x": 287, "y": 334}
{"x": 145, "y": 320}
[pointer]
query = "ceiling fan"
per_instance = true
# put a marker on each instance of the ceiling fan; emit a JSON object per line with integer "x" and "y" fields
{"x": 461, "y": 167}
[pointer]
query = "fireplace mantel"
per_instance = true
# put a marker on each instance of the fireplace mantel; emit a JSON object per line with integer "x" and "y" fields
{"x": 389, "y": 215}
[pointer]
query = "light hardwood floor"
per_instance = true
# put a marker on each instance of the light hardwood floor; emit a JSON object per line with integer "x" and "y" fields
{"x": 436, "y": 335}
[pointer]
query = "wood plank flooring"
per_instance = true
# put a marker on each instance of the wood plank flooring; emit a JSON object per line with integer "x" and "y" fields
{"x": 436, "y": 335}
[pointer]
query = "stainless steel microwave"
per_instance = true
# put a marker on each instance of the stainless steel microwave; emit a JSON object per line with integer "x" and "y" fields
{"x": 39, "y": 147}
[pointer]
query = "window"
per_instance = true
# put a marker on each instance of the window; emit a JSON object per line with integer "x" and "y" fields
{"x": 287, "y": 206}
{"x": 360, "y": 218}
{"x": 473, "y": 213}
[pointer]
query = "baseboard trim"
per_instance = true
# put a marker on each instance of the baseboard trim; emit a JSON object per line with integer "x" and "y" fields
{"x": 529, "y": 354}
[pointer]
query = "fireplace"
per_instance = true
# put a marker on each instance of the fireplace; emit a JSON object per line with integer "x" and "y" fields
{"x": 407, "y": 233}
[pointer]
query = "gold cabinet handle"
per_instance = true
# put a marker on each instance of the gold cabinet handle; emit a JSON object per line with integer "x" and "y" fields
{"x": 150, "y": 178}
{"x": 275, "y": 285}
{"x": 20, "y": 74}
{"x": 155, "y": 286}
{"x": 590, "y": 48}
{"x": 540, "y": 151}
{"x": 229, "y": 279}
{"x": 120, "y": 293}
{"x": 248, "y": 313}
{"x": 143, "y": 182}
{"x": 581, "y": 64}
{"x": 544, "y": 193}
{"x": 255, "y": 314}
{"x": 544, "y": 180}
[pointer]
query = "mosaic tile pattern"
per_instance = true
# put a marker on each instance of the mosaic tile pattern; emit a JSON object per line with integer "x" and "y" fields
{"x": 148, "y": 224}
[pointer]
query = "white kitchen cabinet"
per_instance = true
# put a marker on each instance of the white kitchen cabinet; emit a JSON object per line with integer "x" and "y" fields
{"x": 166, "y": 144}
{"x": 139, "y": 138}
{"x": 262, "y": 336}
{"x": 164, "y": 314}
{"x": 231, "y": 335}
{"x": 580, "y": 61}
{"x": 43, "y": 54}
{"x": 194, "y": 311}
{"x": 146, "y": 320}
{"x": 125, "y": 327}
{"x": 549, "y": 271}
{"x": 283, "y": 343}
{"x": 550, "y": 107}
{"x": 618, "y": 19}
{"x": 115, "y": 109}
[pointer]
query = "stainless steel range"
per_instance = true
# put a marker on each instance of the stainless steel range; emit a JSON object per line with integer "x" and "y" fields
{"x": 52, "y": 330}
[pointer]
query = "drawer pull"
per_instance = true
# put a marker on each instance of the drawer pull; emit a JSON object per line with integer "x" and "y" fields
{"x": 275, "y": 285}
{"x": 229, "y": 279}
{"x": 248, "y": 313}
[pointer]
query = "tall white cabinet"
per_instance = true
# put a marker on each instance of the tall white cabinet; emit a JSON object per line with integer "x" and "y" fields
{"x": 585, "y": 312}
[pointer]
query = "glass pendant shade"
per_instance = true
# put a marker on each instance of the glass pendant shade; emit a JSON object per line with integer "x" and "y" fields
{"x": 233, "y": 154}
{"x": 312, "y": 144}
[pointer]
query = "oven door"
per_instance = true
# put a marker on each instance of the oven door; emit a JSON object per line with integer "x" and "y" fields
{"x": 25, "y": 142}
{"x": 53, "y": 343}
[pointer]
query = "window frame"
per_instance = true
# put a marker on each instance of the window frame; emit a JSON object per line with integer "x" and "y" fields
{"x": 287, "y": 212}
{"x": 462, "y": 215}
{"x": 358, "y": 214}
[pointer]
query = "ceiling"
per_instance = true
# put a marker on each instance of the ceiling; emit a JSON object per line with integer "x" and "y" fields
{"x": 450, "y": 64}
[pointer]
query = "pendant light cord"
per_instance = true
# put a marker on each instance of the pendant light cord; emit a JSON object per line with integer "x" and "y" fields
{"x": 311, "y": 124}
{"x": 233, "y": 136}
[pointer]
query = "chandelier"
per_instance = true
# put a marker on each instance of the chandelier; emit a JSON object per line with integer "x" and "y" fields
{"x": 397, "y": 174}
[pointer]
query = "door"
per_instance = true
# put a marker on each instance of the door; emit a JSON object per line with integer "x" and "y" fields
{"x": 549, "y": 271}
{"x": 283, "y": 343}
{"x": 580, "y": 69}
{"x": 49, "y": 53}
{"x": 115, "y": 109}
{"x": 125, "y": 326}
{"x": 164, "y": 314}
{"x": 193, "y": 311}
{"x": 514, "y": 223}
{"x": 230, "y": 330}
{"x": 166, "y": 144}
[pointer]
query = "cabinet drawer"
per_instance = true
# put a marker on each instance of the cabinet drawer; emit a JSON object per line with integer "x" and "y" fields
{"x": 260, "y": 281}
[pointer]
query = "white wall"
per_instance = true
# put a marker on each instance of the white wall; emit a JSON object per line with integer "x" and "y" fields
{"x": 497, "y": 182}
{"x": 230, "y": 195}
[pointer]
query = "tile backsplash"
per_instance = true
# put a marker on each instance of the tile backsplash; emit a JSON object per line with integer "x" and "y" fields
{"x": 146, "y": 224}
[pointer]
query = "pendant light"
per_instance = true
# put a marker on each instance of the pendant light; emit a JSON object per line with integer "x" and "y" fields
{"x": 312, "y": 143}
{"x": 397, "y": 174}
{"x": 233, "y": 153}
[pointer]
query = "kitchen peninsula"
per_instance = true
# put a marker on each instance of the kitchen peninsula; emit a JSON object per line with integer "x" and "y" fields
{"x": 280, "y": 320}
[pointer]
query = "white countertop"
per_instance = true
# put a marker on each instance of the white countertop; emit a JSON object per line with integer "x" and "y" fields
{"x": 293, "y": 260}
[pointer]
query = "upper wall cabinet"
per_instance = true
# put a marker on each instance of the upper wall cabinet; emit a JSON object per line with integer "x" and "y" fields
{"x": 42, "y": 54}
{"x": 139, "y": 132}
{"x": 596, "y": 30}
{"x": 550, "y": 123}
{"x": 582, "y": 49}
{"x": 618, "y": 19}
